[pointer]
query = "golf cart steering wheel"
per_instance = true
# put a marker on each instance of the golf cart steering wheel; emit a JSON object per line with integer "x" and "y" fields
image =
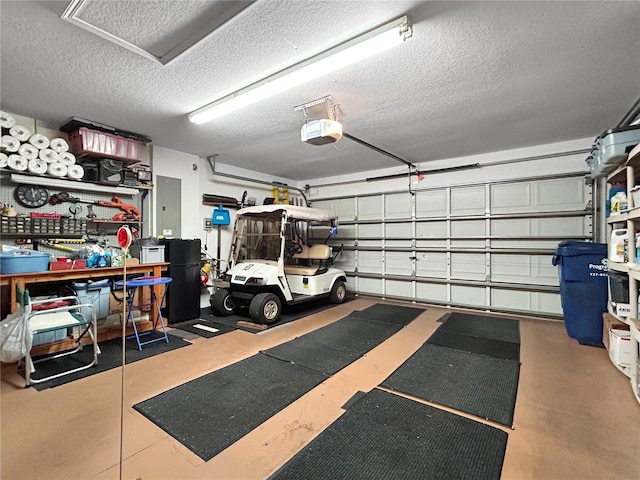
{"x": 291, "y": 248}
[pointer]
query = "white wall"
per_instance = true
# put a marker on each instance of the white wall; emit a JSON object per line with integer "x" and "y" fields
{"x": 335, "y": 186}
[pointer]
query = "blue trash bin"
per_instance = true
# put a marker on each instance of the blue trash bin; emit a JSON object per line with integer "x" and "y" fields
{"x": 583, "y": 288}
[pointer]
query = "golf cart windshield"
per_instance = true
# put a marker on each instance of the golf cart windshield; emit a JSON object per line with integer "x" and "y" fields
{"x": 259, "y": 232}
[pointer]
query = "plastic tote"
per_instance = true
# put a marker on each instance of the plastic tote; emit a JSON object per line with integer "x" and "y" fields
{"x": 583, "y": 288}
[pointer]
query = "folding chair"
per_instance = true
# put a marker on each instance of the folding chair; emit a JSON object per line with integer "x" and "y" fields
{"x": 58, "y": 318}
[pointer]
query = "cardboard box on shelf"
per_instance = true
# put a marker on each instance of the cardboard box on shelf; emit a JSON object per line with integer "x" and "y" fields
{"x": 610, "y": 322}
{"x": 620, "y": 347}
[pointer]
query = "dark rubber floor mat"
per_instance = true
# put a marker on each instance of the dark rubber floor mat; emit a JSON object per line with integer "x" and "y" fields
{"x": 493, "y": 328}
{"x": 202, "y": 327}
{"x": 210, "y": 413}
{"x": 334, "y": 346}
{"x": 386, "y": 436}
{"x": 479, "y": 345}
{"x": 396, "y": 314}
{"x": 110, "y": 357}
{"x": 476, "y": 384}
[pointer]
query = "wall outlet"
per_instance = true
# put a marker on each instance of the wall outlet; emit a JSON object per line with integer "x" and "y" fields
{"x": 206, "y": 224}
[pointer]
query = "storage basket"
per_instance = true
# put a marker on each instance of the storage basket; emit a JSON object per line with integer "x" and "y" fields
{"x": 87, "y": 141}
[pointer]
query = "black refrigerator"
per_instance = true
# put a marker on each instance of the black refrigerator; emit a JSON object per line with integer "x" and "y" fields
{"x": 183, "y": 296}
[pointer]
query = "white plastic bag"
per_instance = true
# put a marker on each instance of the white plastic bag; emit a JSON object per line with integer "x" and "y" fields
{"x": 16, "y": 337}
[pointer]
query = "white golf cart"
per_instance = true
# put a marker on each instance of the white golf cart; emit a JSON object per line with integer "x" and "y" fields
{"x": 271, "y": 262}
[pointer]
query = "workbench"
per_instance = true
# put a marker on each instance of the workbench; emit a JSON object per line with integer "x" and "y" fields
{"x": 10, "y": 280}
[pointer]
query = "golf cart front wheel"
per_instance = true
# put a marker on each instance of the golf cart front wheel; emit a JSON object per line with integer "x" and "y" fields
{"x": 221, "y": 303}
{"x": 265, "y": 308}
{"x": 338, "y": 292}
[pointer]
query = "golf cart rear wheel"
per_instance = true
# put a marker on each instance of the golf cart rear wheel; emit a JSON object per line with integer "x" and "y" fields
{"x": 221, "y": 303}
{"x": 265, "y": 308}
{"x": 338, "y": 292}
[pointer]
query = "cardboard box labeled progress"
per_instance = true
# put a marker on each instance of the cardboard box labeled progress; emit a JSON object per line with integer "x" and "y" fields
{"x": 620, "y": 347}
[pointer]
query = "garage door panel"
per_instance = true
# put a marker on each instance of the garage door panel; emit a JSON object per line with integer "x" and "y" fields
{"x": 370, "y": 262}
{"x": 399, "y": 288}
{"x": 463, "y": 295}
{"x": 560, "y": 194}
{"x": 431, "y": 229}
{"x": 468, "y": 228}
{"x": 511, "y": 198}
{"x": 370, "y": 208}
{"x": 475, "y": 244}
{"x": 431, "y": 264}
{"x": 397, "y": 206}
{"x": 536, "y": 302}
{"x": 399, "y": 230}
{"x": 370, "y": 285}
{"x": 369, "y": 230}
{"x": 468, "y": 266}
{"x": 538, "y": 227}
{"x": 432, "y": 203}
{"x": 345, "y": 208}
{"x": 398, "y": 263}
{"x": 525, "y": 244}
{"x": 468, "y": 201}
{"x": 434, "y": 292}
{"x": 346, "y": 261}
{"x": 512, "y": 227}
{"x": 523, "y": 269}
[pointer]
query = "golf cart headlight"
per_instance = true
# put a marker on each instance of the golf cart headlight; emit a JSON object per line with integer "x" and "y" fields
{"x": 257, "y": 281}
{"x": 225, "y": 277}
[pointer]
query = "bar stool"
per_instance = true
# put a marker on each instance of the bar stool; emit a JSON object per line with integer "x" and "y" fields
{"x": 132, "y": 286}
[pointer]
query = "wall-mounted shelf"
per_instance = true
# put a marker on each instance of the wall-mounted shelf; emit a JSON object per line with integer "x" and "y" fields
{"x": 72, "y": 184}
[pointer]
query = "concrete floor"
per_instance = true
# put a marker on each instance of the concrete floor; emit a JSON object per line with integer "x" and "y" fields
{"x": 575, "y": 415}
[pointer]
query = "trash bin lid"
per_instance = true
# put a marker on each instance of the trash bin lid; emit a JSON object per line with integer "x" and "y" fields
{"x": 570, "y": 248}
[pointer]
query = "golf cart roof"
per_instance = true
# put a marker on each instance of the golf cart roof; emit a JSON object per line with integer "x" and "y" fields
{"x": 292, "y": 211}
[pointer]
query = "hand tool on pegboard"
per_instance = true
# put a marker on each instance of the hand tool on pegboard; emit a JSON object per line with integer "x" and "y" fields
{"x": 131, "y": 212}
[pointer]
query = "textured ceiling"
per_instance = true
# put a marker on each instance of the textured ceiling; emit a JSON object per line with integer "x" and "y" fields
{"x": 475, "y": 77}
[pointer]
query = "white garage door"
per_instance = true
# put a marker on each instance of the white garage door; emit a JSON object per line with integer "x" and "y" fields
{"x": 484, "y": 246}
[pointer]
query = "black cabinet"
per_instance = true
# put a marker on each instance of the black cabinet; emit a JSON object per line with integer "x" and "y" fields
{"x": 183, "y": 296}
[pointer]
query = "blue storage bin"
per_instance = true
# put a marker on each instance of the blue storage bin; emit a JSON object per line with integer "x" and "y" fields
{"x": 97, "y": 294}
{"x": 583, "y": 288}
{"x": 24, "y": 261}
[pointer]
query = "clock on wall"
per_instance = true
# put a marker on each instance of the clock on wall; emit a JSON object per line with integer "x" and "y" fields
{"x": 31, "y": 196}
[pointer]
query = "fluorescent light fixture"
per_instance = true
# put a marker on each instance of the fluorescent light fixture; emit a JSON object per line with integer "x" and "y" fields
{"x": 352, "y": 51}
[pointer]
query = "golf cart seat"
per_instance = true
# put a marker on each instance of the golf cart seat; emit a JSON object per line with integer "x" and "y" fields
{"x": 311, "y": 260}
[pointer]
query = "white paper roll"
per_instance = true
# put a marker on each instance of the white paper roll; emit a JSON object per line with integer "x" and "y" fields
{"x": 57, "y": 169}
{"x": 49, "y": 155}
{"x": 28, "y": 151}
{"x": 9, "y": 143}
{"x": 67, "y": 158}
{"x": 17, "y": 162}
{"x": 20, "y": 132}
{"x": 37, "y": 165}
{"x": 59, "y": 145}
{"x": 6, "y": 120}
{"x": 39, "y": 141}
{"x": 4, "y": 160}
{"x": 75, "y": 171}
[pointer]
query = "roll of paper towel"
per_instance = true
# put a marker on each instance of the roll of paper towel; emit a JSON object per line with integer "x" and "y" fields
{"x": 67, "y": 158}
{"x": 28, "y": 151}
{"x": 18, "y": 163}
{"x": 75, "y": 171}
{"x": 49, "y": 155}
{"x": 37, "y": 165}
{"x": 59, "y": 145}
{"x": 57, "y": 169}
{"x": 9, "y": 143}
{"x": 39, "y": 141}
{"x": 6, "y": 120}
{"x": 4, "y": 160}
{"x": 20, "y": 132}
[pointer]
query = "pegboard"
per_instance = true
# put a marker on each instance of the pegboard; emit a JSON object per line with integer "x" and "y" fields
{"x": 72, "y": 223}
